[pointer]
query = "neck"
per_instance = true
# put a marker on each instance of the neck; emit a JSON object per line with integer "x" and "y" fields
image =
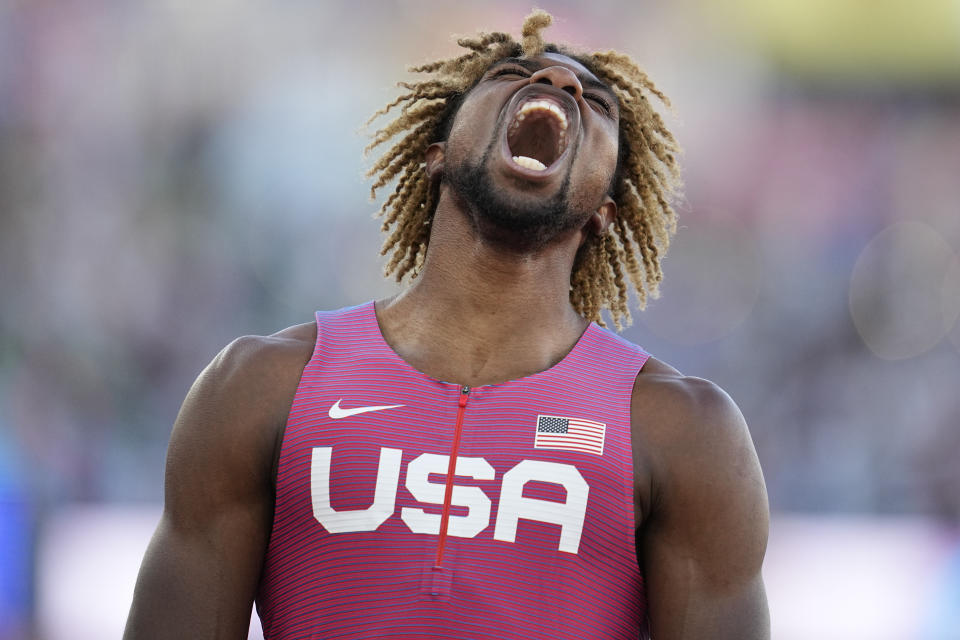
{"x": 481, "y": 314}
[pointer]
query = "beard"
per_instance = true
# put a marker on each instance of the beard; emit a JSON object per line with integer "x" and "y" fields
{"x": 520, "y": 225}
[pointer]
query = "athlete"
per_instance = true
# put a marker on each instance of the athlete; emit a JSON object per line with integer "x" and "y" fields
{"x": 475, "y": 457}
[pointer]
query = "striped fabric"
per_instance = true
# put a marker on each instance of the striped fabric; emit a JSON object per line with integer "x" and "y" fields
{"x": 539, "y": 542}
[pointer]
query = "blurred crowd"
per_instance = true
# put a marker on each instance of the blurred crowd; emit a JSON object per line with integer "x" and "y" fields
{"x": 173, "y": 175}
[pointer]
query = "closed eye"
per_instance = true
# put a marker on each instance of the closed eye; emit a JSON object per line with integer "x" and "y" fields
{"x": 599, "y": 100}
{"x": 510, "y": 70}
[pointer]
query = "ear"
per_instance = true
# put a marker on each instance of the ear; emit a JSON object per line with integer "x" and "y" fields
{"x": 603, "y": 216}
{"x": 434, "y": 160}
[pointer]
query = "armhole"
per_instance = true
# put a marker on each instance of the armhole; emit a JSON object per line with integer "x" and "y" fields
{"x": 642, "y": 358}
{"x": 282, "y": 432}
{"x": 638, "y": 362}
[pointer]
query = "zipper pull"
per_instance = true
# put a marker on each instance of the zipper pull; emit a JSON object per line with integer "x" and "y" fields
{"x": 464, "y": 392}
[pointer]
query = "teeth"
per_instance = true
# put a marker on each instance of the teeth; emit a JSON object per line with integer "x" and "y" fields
{"x": 543, "y": 105}
{"x": 529, "y": 163}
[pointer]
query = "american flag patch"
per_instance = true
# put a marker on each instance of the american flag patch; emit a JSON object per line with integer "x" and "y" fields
{"x": 558, "y": 432}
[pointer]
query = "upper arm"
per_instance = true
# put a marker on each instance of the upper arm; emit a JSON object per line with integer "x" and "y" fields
{"x": 703, "y": 542}
{"x": 200, "y": 573}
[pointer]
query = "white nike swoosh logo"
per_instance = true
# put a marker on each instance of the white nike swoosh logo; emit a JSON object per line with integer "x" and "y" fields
{"x": 337, "y": 412}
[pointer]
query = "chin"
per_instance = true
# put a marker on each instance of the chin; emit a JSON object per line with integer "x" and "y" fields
{"x": 508, "y": 213}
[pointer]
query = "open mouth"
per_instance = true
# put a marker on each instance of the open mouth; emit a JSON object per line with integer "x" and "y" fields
{"x": 537, "y": 137}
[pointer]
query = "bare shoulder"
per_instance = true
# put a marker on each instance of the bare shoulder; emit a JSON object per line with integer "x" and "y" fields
{"x": 251, "y": 358}
{"x": 254, "y": 377}
{"x": 231, "y": 422}
{"x": 689, "y": 434}
{"x": 670, "y": 406}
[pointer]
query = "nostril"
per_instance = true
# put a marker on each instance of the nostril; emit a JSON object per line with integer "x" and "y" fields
{"x": 571, "y": 90}
{"x": 544, "y": 80}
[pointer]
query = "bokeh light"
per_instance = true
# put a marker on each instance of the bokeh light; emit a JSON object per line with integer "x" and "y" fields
{"x": 897, "y": 290}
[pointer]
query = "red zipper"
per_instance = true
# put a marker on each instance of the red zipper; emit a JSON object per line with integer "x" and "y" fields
{"x": 451, "y": 470}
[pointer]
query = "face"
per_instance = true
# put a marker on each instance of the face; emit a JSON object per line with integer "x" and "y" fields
{"x": 532, "y": 150}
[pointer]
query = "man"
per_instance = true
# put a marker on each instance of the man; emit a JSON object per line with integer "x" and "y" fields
{"x": 473, "y": 458}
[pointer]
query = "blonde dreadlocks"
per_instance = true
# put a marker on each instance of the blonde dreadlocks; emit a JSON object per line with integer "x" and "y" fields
{"x": 647, "y": 179}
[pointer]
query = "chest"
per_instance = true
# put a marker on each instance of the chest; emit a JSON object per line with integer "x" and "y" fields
{"x": 429, "y": 458}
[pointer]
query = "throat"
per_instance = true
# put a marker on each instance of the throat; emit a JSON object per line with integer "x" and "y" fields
{"x": 473, "y": 344}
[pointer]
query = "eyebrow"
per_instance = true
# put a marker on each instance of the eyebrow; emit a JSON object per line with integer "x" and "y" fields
{"x": 530, "y": 65}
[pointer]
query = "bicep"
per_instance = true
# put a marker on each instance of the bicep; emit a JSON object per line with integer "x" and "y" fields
{"x": 199, "y": 575}
{"x": 703, "y": 547}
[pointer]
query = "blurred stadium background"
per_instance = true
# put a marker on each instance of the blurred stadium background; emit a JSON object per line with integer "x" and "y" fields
{"x": 174, "y": 174}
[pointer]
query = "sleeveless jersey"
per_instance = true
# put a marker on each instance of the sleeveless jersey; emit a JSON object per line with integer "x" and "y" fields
{"x": 407, "y": 507}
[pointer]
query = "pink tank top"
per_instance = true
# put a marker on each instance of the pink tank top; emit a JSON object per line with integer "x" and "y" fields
{"x": 407, "y": 507}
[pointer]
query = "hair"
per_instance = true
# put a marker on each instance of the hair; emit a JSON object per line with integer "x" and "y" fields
{"x": 646, "y": 181}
